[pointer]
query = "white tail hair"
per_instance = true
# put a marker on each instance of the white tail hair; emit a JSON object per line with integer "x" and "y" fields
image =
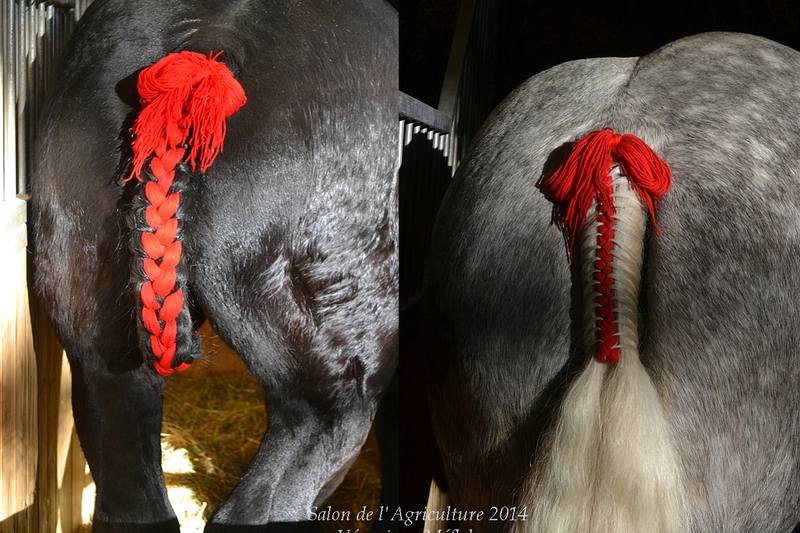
{"x": 608, "y": 464}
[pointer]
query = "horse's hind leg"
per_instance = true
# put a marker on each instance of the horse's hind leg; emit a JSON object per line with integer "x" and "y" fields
{"x": 82, "y": 278}
{"x": 118, "y": 418}
{"x": 318, "y": 420}
{"x": 324, "y": 364}
{"x": 303, "y": 457}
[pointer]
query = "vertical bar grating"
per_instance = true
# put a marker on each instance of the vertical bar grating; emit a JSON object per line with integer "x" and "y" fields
{"x": 423, "y": 178}
{"x": 34, "y": 35}
{"x": 430, "y": 155}
{"x": 9, "y": 97}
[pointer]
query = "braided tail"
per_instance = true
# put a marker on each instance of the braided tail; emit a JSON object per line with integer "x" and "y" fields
{"x": 186, "y": 98}
{"x": 608, "y": 465}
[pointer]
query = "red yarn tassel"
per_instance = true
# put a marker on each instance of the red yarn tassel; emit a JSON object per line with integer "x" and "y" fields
{"x": 186, "y": 99}
{"x": 584, "y": 176}
{"x": 182, "y": 95}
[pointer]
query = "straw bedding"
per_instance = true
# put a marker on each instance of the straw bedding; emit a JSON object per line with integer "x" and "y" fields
{"x": 219, "y": 420}
{"x": 214, "y": 418}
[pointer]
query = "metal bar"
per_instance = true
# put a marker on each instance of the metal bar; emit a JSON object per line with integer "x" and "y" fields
{"x": 421, "y": 113}
{"x": 21, "y": 89}
{"x": 9, "y": 122}
{"x": 4, "y": 66}
{"x": 455, "y": 61}
{"x": 470, "y": 97}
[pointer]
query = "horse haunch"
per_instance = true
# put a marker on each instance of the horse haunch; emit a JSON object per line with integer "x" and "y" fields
{"x": 286, "y": 244}
{"x": 699, "y": 436}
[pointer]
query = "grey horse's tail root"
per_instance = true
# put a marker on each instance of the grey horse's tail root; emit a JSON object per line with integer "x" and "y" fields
{"x": 608, "y": 463}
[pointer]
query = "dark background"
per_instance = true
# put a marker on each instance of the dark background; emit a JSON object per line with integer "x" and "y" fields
{"x": 538, "y": 34}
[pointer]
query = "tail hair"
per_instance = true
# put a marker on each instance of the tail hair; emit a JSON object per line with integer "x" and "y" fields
{"x": 186, "y": 98}
{"x": 608, "y": 465}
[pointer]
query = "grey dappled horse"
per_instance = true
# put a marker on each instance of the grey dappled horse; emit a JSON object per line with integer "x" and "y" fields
{"x": 719, "y": 307}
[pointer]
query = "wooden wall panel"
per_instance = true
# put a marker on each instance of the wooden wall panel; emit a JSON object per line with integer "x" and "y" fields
{"x": 18, "y": 439}
{"x": 61, "y": 473}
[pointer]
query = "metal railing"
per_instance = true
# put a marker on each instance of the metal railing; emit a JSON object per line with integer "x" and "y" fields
{"x": 468, "y": 90}
{"x": 32, "y": 36}
{"x": 424, "y": 175}
{"x": 433, "y": 141}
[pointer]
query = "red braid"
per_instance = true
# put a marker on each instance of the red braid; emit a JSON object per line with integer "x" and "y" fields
{"x": 584, "y": 178}
{"x": 185, "y": 98}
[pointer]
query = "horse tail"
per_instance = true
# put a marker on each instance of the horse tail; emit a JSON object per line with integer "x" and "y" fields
{"x": 186, "y": 98}
{"x": 608, "y": 465}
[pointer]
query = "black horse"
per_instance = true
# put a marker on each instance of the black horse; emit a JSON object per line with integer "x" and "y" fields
{"x": 289, "y": 241}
